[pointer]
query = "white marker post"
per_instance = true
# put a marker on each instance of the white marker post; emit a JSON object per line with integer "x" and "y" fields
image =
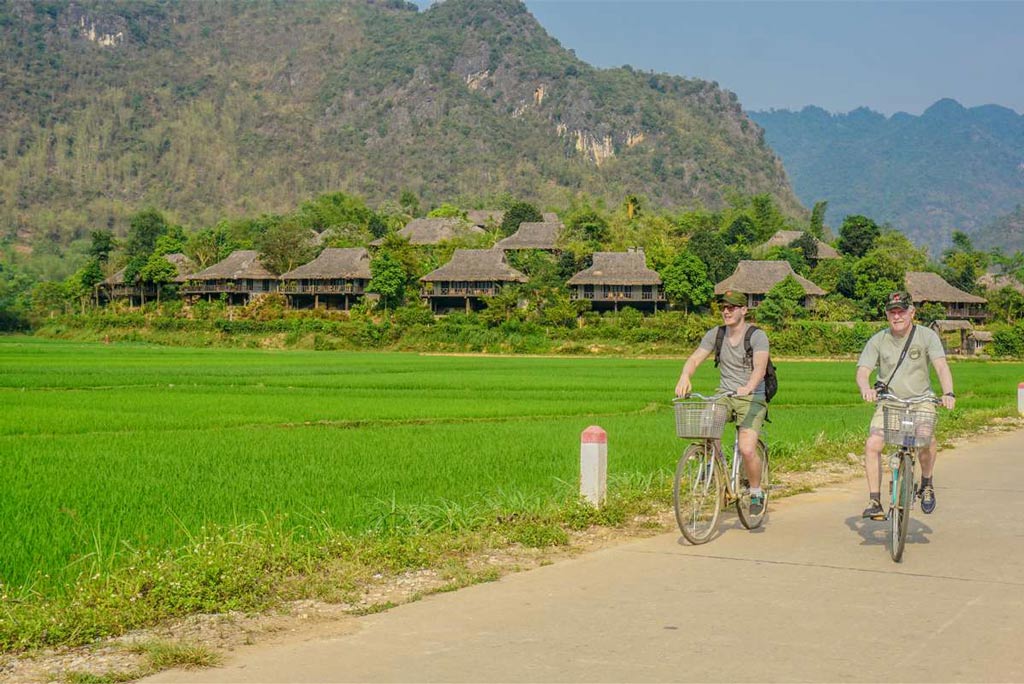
{"x": 594, "y": 465}
{"x": 1020, "y": 398}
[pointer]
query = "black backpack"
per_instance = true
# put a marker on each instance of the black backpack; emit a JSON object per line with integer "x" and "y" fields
{"x": 771, "y": 382}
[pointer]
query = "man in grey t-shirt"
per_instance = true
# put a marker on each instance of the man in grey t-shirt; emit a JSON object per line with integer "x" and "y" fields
{"x": 909, "y": 379}
{"x": 738, "y": 377}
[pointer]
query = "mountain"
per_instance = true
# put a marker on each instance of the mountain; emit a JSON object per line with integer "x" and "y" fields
{"x": 1006, "y": 232}
{"x": 209, "y": 110}
{"x": 952, "y": 168}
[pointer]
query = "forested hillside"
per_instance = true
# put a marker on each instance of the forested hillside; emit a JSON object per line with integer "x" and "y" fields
{"x": 207, "y": 110}
{"x": 951, "y": 168}
{"x": 1006, "y": 232}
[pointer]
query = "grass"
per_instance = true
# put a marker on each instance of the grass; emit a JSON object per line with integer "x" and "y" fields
{"x": 146, "y": 482}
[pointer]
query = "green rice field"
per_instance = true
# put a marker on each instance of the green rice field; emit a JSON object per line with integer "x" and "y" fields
{"x": 112, "y": 447}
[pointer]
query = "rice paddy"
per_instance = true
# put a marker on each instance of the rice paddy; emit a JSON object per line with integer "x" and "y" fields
{"x": 112, "y": 447}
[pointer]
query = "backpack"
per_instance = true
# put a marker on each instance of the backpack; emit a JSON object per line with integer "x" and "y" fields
{"x": 771, "y": 381}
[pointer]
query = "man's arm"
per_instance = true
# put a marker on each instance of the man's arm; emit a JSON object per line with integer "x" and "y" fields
{"x": 867, "y": 392}
{"x": 689, "y": 368}
{"x": 945, "y": 380}
{"x": 756, "y": 375}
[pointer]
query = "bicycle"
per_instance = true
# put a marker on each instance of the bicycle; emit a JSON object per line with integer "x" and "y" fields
{"x": 908, "y": 429}
{"x": 705, "y": 481}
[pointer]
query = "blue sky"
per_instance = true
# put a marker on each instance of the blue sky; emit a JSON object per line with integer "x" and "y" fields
{"x": 889, "y": 56}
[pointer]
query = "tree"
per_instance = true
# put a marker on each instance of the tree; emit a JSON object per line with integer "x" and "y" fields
{"x": 102, "y": 244}
{"x": 158, "y": 271}
{"x": 782, "y": 303}
{"x": 900, "y": 248}
{"x": 519, "y": 212}
{"x": 447, "y": 211}
{"x": 857, "y": 235}
{"x": 767, "y": 217}
{"x": 172, "y": 242}
{"x": 686, "y": 281}
{"x": 285, "y": 246}
{"x": 144, "y": 229}
{"x": 794, "y": 256}
{"x": 807, "y": 244}
{"x": 632, "y": 206}
{"x": 587, "y": 225}
{"x": 877, "y": 275}
{"x": 409, "y": 202}
{"x": 1006, "y": 304}
{"x": 817, "y": 225}
{"x": 741, "y": 231}
{"x": 333, "y": 210}
{"x": 710, "y": 248}
{"x": 962, "y": 263}
{"x": 208, "y": 246}
{"x": 387, "y": 278}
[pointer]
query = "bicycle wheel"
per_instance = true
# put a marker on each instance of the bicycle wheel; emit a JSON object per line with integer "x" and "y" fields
{"x": 697, "y": 492}
{"x": 749, "y": 520}
{"x": 903, "y": 498}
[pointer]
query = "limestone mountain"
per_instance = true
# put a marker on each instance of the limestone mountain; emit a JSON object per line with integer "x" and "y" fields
{"x": 952, "y": 168}
{"x": 214, "y": 109}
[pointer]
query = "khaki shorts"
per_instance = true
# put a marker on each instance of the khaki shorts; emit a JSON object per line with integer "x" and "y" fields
{"x": 878, "y": 420}
{"x": 749, "y": 413}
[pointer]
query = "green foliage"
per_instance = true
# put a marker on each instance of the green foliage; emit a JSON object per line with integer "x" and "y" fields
{"x": 446, "y": 210}
{"x": 857, "y": 235}
{"x": 516, "y": 213}
{"x": 285, "y": 246}
{"x": 711, "y": 249}
{"x": 388, "y": 278}
{"x": 1006, "y": 304}
{"x": 686, "y": 281}
{"x": 145, "y": 229}
{"x": 782, "y": 304}
{"x": 929, "y": 313}
{"x": 817, "y": 224}
{"x": 102, "y": 244}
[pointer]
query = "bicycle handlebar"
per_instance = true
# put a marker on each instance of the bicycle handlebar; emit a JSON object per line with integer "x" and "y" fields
{"x": 713, "y": 397}
{"x": 919, "y": 399}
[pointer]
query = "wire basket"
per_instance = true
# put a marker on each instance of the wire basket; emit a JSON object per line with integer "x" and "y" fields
{"x": 904, "y": 427}
{"x": 700, "y": 419}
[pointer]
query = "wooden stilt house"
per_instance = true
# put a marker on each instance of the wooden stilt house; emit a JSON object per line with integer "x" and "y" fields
{"x": 617, "y": 279}
{"x": 756, "y": 278}
{"x": 137, "y": 293}
{"x": 926, "y": 288}
{"x": 433, "y": 231}
{"x": 240, "y": 278}
{"x": 541, "y": 235}
{"x": 471, "y": 275}
{"x": 335, "y": 279}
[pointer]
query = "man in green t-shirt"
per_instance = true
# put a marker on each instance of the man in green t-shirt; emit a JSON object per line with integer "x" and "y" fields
{"x": 910, "y": 379}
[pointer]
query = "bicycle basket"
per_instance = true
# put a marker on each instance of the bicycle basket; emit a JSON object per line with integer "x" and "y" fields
{"x": 908, "y": 428}
{"x": 700, "y": 419}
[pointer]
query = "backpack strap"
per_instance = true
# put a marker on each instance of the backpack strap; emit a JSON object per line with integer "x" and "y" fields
{"x": 719, "y": 338}
{"x": 751, "y": 329}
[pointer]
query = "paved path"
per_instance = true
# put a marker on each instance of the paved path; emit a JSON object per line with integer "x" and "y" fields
{"x": 813, "y": 597}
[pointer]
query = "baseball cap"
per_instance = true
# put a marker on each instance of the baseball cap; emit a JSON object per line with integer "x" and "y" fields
{"x": 898, "y": 300}
{"x": 733, "y": 298}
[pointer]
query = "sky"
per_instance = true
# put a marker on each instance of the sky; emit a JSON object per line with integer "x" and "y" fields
{"x": 884, "y": 55}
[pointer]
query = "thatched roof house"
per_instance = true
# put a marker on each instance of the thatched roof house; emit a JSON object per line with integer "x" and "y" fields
{"x": 240, "y": 264}
{"x": 618, "y": 277}
{"x": 784, "y": 238}
{"x": 926, "y": 288}
{"x": 332, "y": 279}
{"x": 542, "y": 235}
{"x": 549, "y": 217}
{"x": 181, "y": 262}
{"x": 432, "y": 231}
{"x": 485, "y": 217}
{"x": 470, "y": 275}
{"x": 334, "y": 263}
{"x": 476, "y": 265}
{"x": 756, "y": 278}
{"x": 115, "y": 287}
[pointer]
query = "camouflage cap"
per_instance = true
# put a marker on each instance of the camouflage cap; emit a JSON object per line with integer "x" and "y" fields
{"x": 732, "y": 298}
{"x": 898, "y": 300}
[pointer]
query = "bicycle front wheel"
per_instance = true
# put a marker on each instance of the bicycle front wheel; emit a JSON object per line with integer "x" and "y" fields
{"x": 697, "y": 492}
{"x": 748, "y": 519}
{"x": 903, "y": 498}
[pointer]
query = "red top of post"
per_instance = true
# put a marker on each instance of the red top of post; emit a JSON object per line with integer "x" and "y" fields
{"x": 594, "y": 435}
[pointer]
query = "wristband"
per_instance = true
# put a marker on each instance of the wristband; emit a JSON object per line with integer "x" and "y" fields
{"x": 949, "y": 394}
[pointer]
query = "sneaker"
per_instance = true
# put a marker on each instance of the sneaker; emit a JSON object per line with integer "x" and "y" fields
{"x": 927, "y": 495}
{"x": 874, "y": 510}
{"x": 756, "y": 504}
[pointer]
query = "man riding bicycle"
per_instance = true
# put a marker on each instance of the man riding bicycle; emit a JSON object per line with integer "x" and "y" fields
{"x": 742, "y": 378}
{"x": 901, "y": 353}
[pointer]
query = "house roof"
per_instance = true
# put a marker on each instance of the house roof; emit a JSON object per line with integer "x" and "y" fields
{"x": 431, "y": 231}
{"x": 617, "y": 268}
{"x": 243, "y": 263}
{"x": 334, "y": 262}
{"x": 476, "y": 264}
{"x": 930, "y": 287}
{"x": 981, "y": 335}
{"x": 533, "y": 236}
{"x": 758, "y": 277}
{"x": 177, "y": 259}
{"x": 945, "y": 326}
{"x": 784, "y": 238}
{"x": 482, "y": 217}
{"x": 997, "y": 281}
{"x": 549, "y": 217}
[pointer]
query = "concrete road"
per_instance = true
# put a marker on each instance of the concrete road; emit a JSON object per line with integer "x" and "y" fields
{"x": 812, "y": 597}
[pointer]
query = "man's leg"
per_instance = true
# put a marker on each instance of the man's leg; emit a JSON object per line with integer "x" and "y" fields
{"x": 926, "y": 455}
{"x": 748, "y": 450}
{"x": 873, "y": 469}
